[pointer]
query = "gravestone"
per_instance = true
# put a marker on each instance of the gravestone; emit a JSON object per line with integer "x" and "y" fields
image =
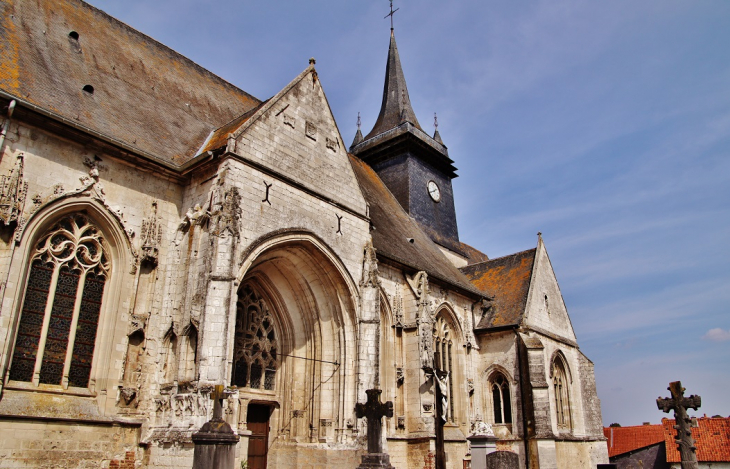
{"x": 215, "y": 443}
{"x": 374, "y": 411}
{"x": 483, "y": 442}
{"x": 680, "y": 404}
{"x": 503, "y": 460}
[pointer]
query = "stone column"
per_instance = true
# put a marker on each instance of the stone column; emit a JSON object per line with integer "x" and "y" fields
{"x": 369, "y": 325}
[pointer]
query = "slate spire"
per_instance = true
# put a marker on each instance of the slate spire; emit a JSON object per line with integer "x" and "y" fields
{"x": 396, "y": 107}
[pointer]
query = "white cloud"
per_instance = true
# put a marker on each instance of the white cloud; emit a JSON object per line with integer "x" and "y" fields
{"x": 717, "y": 335}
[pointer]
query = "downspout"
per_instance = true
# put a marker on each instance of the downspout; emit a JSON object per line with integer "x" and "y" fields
{"x": 6, "y": 124}
{"x": 522, "y": 400}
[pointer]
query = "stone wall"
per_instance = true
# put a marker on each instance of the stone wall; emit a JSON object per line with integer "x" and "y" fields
{"x": 68, "y": 445}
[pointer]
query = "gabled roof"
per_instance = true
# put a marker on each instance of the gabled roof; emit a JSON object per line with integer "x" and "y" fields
{"x": 396, "y": 107}
{"x": 473, "y": 254}
{"x": 393, "y": 231}
{"x": 506, "y": 280}
{"x": 622, "y": 440}
{"x": 145, "y": 96}
{"x": 712, "y": 439}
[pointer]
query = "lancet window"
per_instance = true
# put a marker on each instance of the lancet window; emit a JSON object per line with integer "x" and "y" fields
{"x": 69, "y": 268}
{"x": 255, "y": 359}
{"x": 562, "y": 395}
{"x": 501, "y": 399}
{"x": 443, "y": 361}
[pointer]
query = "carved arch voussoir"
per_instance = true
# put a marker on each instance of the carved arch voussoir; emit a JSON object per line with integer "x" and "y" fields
{"x": 558, "y": 355}
{"x": 82, "y": 198}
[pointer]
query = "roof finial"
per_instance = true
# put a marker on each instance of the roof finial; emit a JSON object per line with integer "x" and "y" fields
{"x": 392, "y": 11}
{"x": 436, "y": 134}
{"x": 359, "y": 121}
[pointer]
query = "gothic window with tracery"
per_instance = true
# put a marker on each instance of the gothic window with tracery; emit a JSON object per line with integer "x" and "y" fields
{"x": 255, "y": 358}
{"x": 443, "y": 360}
{"x": 60, "y": 314}
{"x": 501, "y": 399}
{"x": 562, "y": 396}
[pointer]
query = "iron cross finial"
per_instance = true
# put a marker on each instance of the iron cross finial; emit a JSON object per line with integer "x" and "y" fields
{"x": 359, "y": 122}
{"x": 392, "y": 12}
{"x": 435, "y": 121}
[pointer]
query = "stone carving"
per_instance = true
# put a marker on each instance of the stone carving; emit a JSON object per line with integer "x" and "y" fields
{"x": 310, "y": 130}
{"x": 225, "y": 215}
{"x": 288, "y": 120}
{"x": 13, "y": 191}
{"x": 332, "y": 144}
{"x": 482, "y": 428}
{"x": 398, "y": 308}
{"x": 424, "y": 319}
{"x": 90, "y": 187}
{"x": 151, "y": 237}
{"x": 196, "y": 216}
{"x": 442, "y": 381}
{"x": 427, "y": 407}
{"x": 680, "y": 404}
{"x": 128, "y": 395}
{"x": 297, "y": 414}
{"x": 470, "y": 386}
{"x": 401, "y": 422}
{"x": 400, "y": 376}
{"x": 370, "y": 275}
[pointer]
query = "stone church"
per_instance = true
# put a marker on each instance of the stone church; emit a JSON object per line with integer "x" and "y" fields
{"x": 163, "y": 231}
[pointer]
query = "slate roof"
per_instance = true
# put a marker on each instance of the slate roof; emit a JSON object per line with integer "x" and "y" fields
{"x": 392, "y": 229}
{"x": 146, "y": 96}
{"x": 622, "y": 440}
{"x": 712, "y": 439}
{"x": 396, "y": 106}
{"x": 507, "y": 280}
{"x": 473, "y": 254}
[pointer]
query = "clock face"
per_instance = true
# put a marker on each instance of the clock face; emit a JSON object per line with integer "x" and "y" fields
{"x": 434, "y": 191}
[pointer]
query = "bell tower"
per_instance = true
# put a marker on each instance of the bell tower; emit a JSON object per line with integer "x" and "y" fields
{"x": 414, "y": 166}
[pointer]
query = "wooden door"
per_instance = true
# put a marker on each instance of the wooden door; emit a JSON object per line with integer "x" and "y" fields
{"x": 258, "y": 442}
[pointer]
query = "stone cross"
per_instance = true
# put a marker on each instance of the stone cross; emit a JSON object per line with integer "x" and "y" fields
{"x": 218, "y": 395}
{"x": 374, "y": 411}
{"x": 680, "y": 404}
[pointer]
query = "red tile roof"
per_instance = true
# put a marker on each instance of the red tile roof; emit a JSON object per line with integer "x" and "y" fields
{"x": 712, "y": 439}
{"x": 625, "y": 439}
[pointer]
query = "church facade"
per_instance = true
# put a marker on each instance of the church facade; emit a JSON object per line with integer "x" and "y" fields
{"x": 163, "y": 232}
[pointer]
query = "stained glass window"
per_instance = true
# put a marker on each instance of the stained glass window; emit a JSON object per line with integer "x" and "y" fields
{"x": 60, "y": 314}
{"x": 254, "y": 359}
{"x": 501, "y": 400}
{"x": 562, "y": 396}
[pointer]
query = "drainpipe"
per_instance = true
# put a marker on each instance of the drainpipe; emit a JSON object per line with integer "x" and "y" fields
{"x": 522, "y": 400}
{"x": 6, "y": 124}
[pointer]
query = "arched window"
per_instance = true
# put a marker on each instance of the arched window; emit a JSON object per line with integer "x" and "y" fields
{"x": 189, "y": 352}
{"x": 562, "y": 396}
{"x": 443, "y": 360}
{"x": 254, "y": 358}
{"x": 60, "y": 315}
{"x": 501, "y": 399}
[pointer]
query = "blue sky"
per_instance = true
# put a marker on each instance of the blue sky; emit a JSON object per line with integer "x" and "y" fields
{"x": 604, "y": 125}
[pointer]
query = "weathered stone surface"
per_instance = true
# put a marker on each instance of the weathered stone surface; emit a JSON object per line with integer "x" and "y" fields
{"x": 503, "y": 460}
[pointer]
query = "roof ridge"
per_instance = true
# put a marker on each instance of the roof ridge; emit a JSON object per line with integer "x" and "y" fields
{"x": 500, "y": 257}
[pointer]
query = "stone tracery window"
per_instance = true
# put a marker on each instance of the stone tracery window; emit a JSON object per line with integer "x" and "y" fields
{"x": 255, "y": 358}
{"x": 501, "y": 400}
{"x": 562, "y": 395}
{"x": 443, "y": 360}
{"x": 60, "y": 314}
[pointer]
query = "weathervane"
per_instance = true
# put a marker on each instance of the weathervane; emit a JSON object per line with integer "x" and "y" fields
{"x": 392, "y": 11}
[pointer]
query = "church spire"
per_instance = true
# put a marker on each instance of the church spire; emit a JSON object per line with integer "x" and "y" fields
{"x": 396, "y": 108}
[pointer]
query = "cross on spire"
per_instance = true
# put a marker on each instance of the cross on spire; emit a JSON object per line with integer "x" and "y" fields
{"x": 359, "y": 121}
{"x": 392, "y": 12}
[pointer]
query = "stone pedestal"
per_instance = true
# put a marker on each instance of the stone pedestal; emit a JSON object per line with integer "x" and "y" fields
{"x": 482, "y": 444}
{"x": 215, "y": 446}
{"x": 375, "y": 461}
